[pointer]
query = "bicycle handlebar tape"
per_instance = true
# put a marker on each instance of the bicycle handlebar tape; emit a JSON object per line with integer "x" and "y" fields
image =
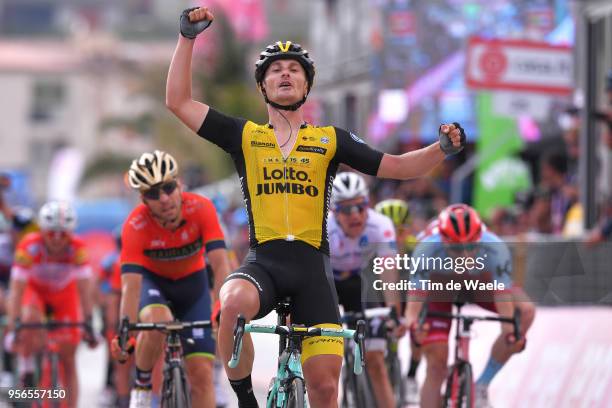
{"x": 189, "y": 29}
{"x": 445, "y": 143}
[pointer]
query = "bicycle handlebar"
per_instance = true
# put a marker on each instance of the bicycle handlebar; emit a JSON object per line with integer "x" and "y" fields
{"x": 173, "y": 326}
{"x": 515, "y": 320}
{"x": 372, "y": 313}
{"x": 48, "y": 325}
{"x": 242, "y": 327}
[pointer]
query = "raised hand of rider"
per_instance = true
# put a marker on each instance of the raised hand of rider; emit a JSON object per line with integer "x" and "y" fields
{"x": 194, "y": 20}
{"x": 452, "y": 138}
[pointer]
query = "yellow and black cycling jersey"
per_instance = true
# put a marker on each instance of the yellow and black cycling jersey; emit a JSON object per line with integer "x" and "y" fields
{"x": 288, "y": 198}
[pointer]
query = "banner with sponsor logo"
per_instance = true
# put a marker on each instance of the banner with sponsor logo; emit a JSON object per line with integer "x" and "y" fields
{"x": 500, "y": 174}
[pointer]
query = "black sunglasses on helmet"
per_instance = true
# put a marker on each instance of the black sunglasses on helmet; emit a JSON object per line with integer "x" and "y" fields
{"x": 154, "y": 193}
{"x": 349, "y": 209}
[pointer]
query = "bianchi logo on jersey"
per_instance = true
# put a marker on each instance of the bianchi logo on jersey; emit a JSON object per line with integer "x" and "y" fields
{"x": 289, "y": 180}
{"x": 255, "y": 143}
{"x": 356, "y": 138}
{"x": 173, "y": 254}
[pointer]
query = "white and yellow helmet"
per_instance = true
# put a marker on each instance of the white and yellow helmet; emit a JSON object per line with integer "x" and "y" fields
{"x": 152, "y": 168}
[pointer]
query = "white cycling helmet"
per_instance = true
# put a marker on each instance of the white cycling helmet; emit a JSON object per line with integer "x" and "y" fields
{"x": 347, "y": 186}
{"x": 57, "y": 216}
{"x": 150, "y": 169}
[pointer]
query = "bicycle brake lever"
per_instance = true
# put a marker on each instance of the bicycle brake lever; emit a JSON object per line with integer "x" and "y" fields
{"x": 422, "y": 315}
{"x": 359, "y": 338}
{"x": 124, "y": 333}
{"x": 517, "y": 323}
{"x": 237, "y": 348}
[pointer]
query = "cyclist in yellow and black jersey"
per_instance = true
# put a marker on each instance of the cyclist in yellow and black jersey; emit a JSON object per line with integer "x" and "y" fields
{"x": 286, "y": 169}
{"x": 286, "y": 197}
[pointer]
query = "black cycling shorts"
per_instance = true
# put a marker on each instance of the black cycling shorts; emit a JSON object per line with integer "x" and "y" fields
{"x": 281, "y": 269}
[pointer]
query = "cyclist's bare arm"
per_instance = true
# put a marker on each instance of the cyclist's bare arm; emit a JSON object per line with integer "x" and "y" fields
{"x": 178, "y": 84}
{"x": 419, "y": 162}
{"x": 86, "y": 294}
{"x": 130, "y": 295}
{"x": 505, "y": 307}
{"x": 16, "y": 289}
{"x": 413, "y": 308}
{"x": 219, "y": 262}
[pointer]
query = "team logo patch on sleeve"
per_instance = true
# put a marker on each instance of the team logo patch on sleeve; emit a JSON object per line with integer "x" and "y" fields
{"x": 22, "y": 258}
{"x": 356, "y": 138}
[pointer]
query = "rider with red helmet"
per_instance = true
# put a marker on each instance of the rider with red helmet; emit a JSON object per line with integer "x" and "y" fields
{"x": 460, "y": 249}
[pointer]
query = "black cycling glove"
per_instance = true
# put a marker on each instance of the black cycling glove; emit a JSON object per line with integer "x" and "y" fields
{"x": 445, "y": 143}
{"x": 191, "y": 30}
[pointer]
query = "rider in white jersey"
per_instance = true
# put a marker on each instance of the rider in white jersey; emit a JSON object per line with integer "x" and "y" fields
{"x": 357, "y": 234}
{"x": 349, "y": 256}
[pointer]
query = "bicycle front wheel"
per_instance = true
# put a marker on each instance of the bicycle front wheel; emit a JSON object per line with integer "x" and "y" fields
{"x": 296, "y": 394}
{"x": 397, "y": 381}
{"x": 459, "y": 387}
{"x": 176, "y": 391}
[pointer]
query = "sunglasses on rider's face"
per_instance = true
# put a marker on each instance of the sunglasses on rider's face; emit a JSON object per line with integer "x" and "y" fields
{"x": 351, "y": 208}
{"x": 154, "y": 193}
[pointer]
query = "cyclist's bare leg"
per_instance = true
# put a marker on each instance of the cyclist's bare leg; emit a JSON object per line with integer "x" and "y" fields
{"x": 377, "y": 370}
{"x": 31, "y": 341}
{"x": 200, "y": 372}
{"x": 238, "y": 296}
{"x": 322, "y": 373}
{"x": 436, "y": 355}
{"x": 67, "y": 360}
{"x": 150, "y": 343}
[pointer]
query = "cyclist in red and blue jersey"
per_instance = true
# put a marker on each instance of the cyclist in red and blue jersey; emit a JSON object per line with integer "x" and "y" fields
{"x": 164, "y": 272}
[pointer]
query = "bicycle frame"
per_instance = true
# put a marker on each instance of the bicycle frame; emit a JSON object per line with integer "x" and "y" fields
{"x": 462, "y": 339}
{"x": 350, "y": 383}
{"x": 51, "y": 349}
{"x": 172, "y": 346}
{"x": 289, "y": 360}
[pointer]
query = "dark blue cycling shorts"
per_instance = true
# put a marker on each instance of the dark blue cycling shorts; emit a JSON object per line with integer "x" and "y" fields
{"x": 189, "y": 300}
